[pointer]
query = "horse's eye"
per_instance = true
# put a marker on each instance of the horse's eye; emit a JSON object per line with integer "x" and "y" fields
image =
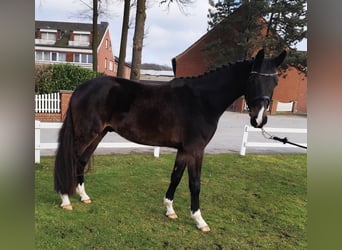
{"x": 251, "y": 78}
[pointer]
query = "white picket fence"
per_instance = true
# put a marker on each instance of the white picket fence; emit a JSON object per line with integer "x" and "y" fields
{"x": 47, "y": 103}
{"x": 247, "y": 129}
{"x": 53, "y": 145}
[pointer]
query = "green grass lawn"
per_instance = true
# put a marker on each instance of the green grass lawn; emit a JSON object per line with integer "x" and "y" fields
{"x": 250, "y": 202}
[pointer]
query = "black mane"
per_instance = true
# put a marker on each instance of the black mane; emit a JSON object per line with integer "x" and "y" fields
{"x": 225, "y": 67}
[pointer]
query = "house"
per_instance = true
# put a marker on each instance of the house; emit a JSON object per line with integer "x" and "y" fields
{"x": 156, "y": 75}
{"x": 196, "y": 60}
{"x": 69, "y": 42}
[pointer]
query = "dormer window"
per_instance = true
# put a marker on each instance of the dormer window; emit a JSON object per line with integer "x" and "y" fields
{"x": 80, "y": 38}
{"x": 46, "y": 36}
{"x": 49, "y": 35}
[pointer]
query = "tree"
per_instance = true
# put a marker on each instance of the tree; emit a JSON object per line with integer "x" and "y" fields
{"x": 180, "y": 3}
{"x": 139, "y": 33}
{"x": 94, "y": 9}
{"x": 95, "y": 34}
{"x": 285, "y": 23}
{"x": 220, "y": 11}
{"x": 123, "y": 42}
{"x": 138, "y": 39}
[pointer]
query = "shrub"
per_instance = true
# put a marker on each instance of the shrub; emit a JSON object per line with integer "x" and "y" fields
{"x": 43, "y": 79}
{"x": 56, "y": 77}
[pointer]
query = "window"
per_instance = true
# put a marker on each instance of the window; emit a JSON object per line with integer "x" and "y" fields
{"x": 80, "y": 38}
{"x": 106, "y": 43}
{"x": 90, "y": 58}
{"x": 50, "y": 56}
{"x": 46, "y": 55}
{"x": 62, "y": 57}
{"x": 76, "y": 57}
{"x": 83, "y": 58}
{"x": 83, "y": 38}
{"x": 105, "y": 64}
{"x": 111, "y": 65}
{"x": 39, "y": 55}
{"x": 48, "y": 36}
{"x": 54, "y": 56}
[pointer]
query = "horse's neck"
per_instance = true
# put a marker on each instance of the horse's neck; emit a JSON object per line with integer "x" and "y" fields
{"x": 222, "y": 87}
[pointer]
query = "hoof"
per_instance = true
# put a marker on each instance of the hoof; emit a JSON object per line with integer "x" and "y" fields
{"x": 205, "y": 229}
{"x": 172, "y": 216}
{"x": 88, "y": 201}
{"x": 67, "y": 207}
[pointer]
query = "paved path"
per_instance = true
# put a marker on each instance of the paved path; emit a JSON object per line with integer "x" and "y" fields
{"x": 227, "y": 138}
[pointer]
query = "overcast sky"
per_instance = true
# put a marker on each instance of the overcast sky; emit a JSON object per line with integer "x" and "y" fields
{"x": 168, "y": 32}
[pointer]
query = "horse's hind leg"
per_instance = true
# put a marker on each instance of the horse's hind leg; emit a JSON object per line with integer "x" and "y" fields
{"x": 85, "y": 146}
{"x": 80, "y": 190}
{"x": 176, "y": 177}
{"x": 85, "y": 157}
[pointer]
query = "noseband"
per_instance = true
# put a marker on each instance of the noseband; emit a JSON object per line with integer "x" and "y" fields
{"x": 260, "y": 97}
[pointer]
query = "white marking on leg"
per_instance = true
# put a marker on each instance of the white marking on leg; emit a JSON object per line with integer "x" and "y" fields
{"x": 200, "y": 222}
{"x": 66, "y": 204}
{"x": 81, "y": 191}
{"x": 260, "y": 115}
{"x": 169, "y": 209}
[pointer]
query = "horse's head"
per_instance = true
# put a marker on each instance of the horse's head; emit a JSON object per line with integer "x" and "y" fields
{"x": 261, "y": 82}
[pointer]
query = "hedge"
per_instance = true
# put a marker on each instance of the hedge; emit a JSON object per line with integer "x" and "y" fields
{"x": 56, "y": 77}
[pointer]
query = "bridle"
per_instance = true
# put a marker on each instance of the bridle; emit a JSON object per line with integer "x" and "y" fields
{"x": 265, "y": 98}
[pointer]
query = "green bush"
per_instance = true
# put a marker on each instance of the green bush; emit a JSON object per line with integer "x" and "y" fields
{"x": 56, "y": 77}
{"x": 43, "y": 79}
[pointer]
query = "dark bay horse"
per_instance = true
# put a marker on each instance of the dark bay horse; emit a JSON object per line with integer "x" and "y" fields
{"x": 182, "y": 114}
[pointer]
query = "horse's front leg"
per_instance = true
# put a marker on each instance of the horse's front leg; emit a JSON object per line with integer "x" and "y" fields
{"x": 176, "y": 177}
{"x": 194, "y": 171}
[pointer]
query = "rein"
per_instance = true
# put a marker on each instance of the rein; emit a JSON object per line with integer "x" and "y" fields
{"x": 283, "y": 140}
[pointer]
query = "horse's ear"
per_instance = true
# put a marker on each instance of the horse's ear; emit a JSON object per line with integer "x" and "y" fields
{"x": 279, "y": 59}
{"x": 258, "y": 58}
{"x": 174, "y": 65}
{"x": 260, "y": 55}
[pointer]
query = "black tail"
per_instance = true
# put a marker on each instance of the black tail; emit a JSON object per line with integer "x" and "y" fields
{"x": 65, "y": 172}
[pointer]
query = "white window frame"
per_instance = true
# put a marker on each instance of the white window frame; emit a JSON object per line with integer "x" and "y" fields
{"x": 81, "y": 56}
{"x": 111, "y": 65}
{"x": 47, "y": 56}
{"x": 48, "y": 33}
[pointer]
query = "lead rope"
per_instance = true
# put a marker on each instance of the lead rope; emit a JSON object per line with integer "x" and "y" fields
{"x": 283, "y": 140}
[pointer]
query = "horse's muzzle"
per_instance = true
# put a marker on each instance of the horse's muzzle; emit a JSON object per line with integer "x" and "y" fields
{"x": 258, "y": 123}
{"x": 258, "y": 117}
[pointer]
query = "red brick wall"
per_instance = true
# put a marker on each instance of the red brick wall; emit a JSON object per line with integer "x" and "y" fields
{"x": 105, "y": 54}
{"x": 69, "y": 56}
{"x": 292, "y": 86}
{"x": 46, "y": 117}
{"x": 191, "y": 62}
{"x": 65, "y": 98}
